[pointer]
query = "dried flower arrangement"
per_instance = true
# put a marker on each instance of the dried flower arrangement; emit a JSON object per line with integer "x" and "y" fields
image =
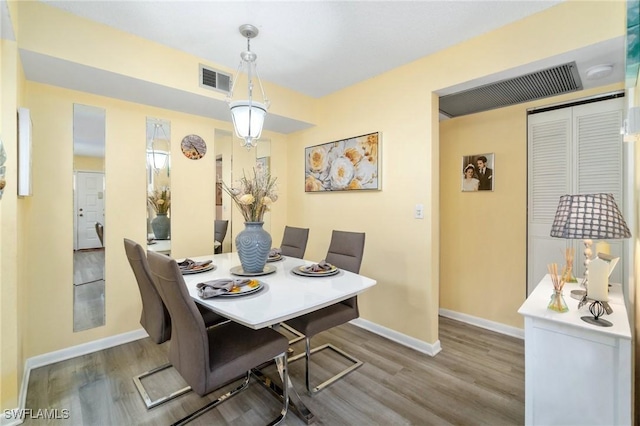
{"x": 160, "y": 200}
{"x": 253, "y": 195}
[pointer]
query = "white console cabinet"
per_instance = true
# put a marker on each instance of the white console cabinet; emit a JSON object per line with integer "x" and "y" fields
{"x": 576, "y": 373}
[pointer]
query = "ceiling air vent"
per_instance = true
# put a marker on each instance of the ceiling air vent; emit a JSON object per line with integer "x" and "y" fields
{"x": 537, "y": 85}
{"x": 214, "y": 79}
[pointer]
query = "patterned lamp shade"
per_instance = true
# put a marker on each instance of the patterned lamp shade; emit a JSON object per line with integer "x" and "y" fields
{"x": 589, "y": 216}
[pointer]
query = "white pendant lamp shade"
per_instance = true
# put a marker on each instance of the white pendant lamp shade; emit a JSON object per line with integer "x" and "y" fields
{"x": 247, "y": 115}
{"x": 248, "y": 118}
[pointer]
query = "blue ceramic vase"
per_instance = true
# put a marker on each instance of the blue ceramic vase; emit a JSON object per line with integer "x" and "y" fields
{"x": 253, "y": 245}
{"x": 161, "y": 226}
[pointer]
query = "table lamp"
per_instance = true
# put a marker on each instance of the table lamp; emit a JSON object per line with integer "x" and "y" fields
{"x": 588, "y": 217}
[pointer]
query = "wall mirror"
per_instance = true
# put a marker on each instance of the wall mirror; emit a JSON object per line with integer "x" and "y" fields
{"x": 223, "y": 149}
{"x": 263, "y": 163}
{"x": 159, "y": 185}
{"x": 89, "y": 224}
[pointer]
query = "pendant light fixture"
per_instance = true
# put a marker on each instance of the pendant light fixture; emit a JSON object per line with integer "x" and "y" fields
{"x": 157, "y": 158}
{"x": 248, "y": 115}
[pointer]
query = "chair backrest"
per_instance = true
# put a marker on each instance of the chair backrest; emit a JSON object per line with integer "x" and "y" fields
{"x": 220, "y": 231}
{"x": 345, "y": 250}
{"x": 294, "y": 241}
{"x": 100, "y": 232}
{"x": 189, "y": 349}
{"x": 154, "y": 318}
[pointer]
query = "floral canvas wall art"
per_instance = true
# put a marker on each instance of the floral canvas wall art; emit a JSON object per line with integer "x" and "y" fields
{"x": 344, "y": 165}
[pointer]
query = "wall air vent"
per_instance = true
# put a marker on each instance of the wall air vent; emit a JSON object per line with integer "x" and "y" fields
{"x": 537, "y": 85}
{"x": 214, "y": 79}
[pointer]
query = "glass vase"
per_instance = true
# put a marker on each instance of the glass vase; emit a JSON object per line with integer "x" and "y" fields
{"x": 557, "y": 303}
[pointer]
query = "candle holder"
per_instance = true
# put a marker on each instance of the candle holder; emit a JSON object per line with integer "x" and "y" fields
{"x": 597, "y": 310}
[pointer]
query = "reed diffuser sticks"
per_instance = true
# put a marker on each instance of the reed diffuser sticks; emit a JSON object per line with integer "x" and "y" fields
{"x": 557, "y": 302}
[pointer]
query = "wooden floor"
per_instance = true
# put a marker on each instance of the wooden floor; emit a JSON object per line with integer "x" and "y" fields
{"x": 88, "y": 266}
{"x": 88, "y": 289}
{"x": 477, "y": 379}
{"x": 88, "y": 305}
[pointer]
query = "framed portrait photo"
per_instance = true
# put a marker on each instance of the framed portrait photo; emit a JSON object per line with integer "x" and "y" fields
{"x": 478, "y": 172}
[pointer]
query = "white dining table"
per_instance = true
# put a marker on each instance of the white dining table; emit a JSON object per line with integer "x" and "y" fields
{"x": 284, "y": 295}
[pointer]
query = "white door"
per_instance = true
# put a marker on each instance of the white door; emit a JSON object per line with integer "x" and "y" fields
{"x": 573, "y": 150}
{"x": 89, "y": 208}
{"x": 549, "y": 178}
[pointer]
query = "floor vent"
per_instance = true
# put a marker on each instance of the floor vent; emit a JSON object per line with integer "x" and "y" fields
{"x": 214, "y": 79}
{"x": 537, "y": 85}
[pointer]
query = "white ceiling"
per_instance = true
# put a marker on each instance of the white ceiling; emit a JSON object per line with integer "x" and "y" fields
{"x": 313, "y": 47}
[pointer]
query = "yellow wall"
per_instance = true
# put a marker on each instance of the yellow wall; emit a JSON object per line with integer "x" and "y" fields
{"x": 49, "y": 287}
{"x": 12, "y": 230}
{"x": 82, "y": 163}
{"x": 401, "y": 252}
{"x": 483, "y": 246}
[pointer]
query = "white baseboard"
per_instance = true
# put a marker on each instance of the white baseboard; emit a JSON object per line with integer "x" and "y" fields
{"x": 68, "y": 353}
{"x": 483, "y": 323}
{"x": 403, "y": 339}
{"x": 10, "y": 422}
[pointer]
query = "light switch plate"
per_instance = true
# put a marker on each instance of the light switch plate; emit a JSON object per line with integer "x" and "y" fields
{"x": 419, "y": 212}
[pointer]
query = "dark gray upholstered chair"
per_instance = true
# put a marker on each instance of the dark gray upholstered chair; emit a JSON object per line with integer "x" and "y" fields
{"x": 294, "y": 241}
{"x": 208, "y": 359}
{"x": 155, "y": 318}
{"x": 220, "y": 231}
{"x": 100, "y": 232}
{"x": 345, "y": 252}
{"x": 294, "y": 244}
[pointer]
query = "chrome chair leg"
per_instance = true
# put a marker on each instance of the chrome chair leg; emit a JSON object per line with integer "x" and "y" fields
{"x": 283, "y": 371}
{"x": 299, "y": 336}
{"x": 214, "y": 403}
{"x": 137, "y": 380}
{"x": 307, "y": 355}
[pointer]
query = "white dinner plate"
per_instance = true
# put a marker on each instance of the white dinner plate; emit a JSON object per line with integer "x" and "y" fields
{"x": 237, "y": 270}
{"x": 209, "y": 267}
{"x": 244, "y": 290}
{"x": 300, "y": 271}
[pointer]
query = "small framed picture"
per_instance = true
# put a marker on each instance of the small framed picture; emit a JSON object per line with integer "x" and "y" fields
{"x": 478, "y": 172}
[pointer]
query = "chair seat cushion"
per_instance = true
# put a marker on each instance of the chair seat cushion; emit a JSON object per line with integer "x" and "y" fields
{"x": 323, "y": 319}
{"x": 235, "y": 349}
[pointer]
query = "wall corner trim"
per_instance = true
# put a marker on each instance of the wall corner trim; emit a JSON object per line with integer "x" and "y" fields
{"x": 483, "y": 323}
{"x": 430, "y": 349}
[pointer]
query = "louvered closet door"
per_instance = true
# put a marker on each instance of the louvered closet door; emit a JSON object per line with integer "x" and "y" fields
{"x": 549, "y": 178}
{"x": 598, "y": 164}
{"x": 573, "y": 150}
